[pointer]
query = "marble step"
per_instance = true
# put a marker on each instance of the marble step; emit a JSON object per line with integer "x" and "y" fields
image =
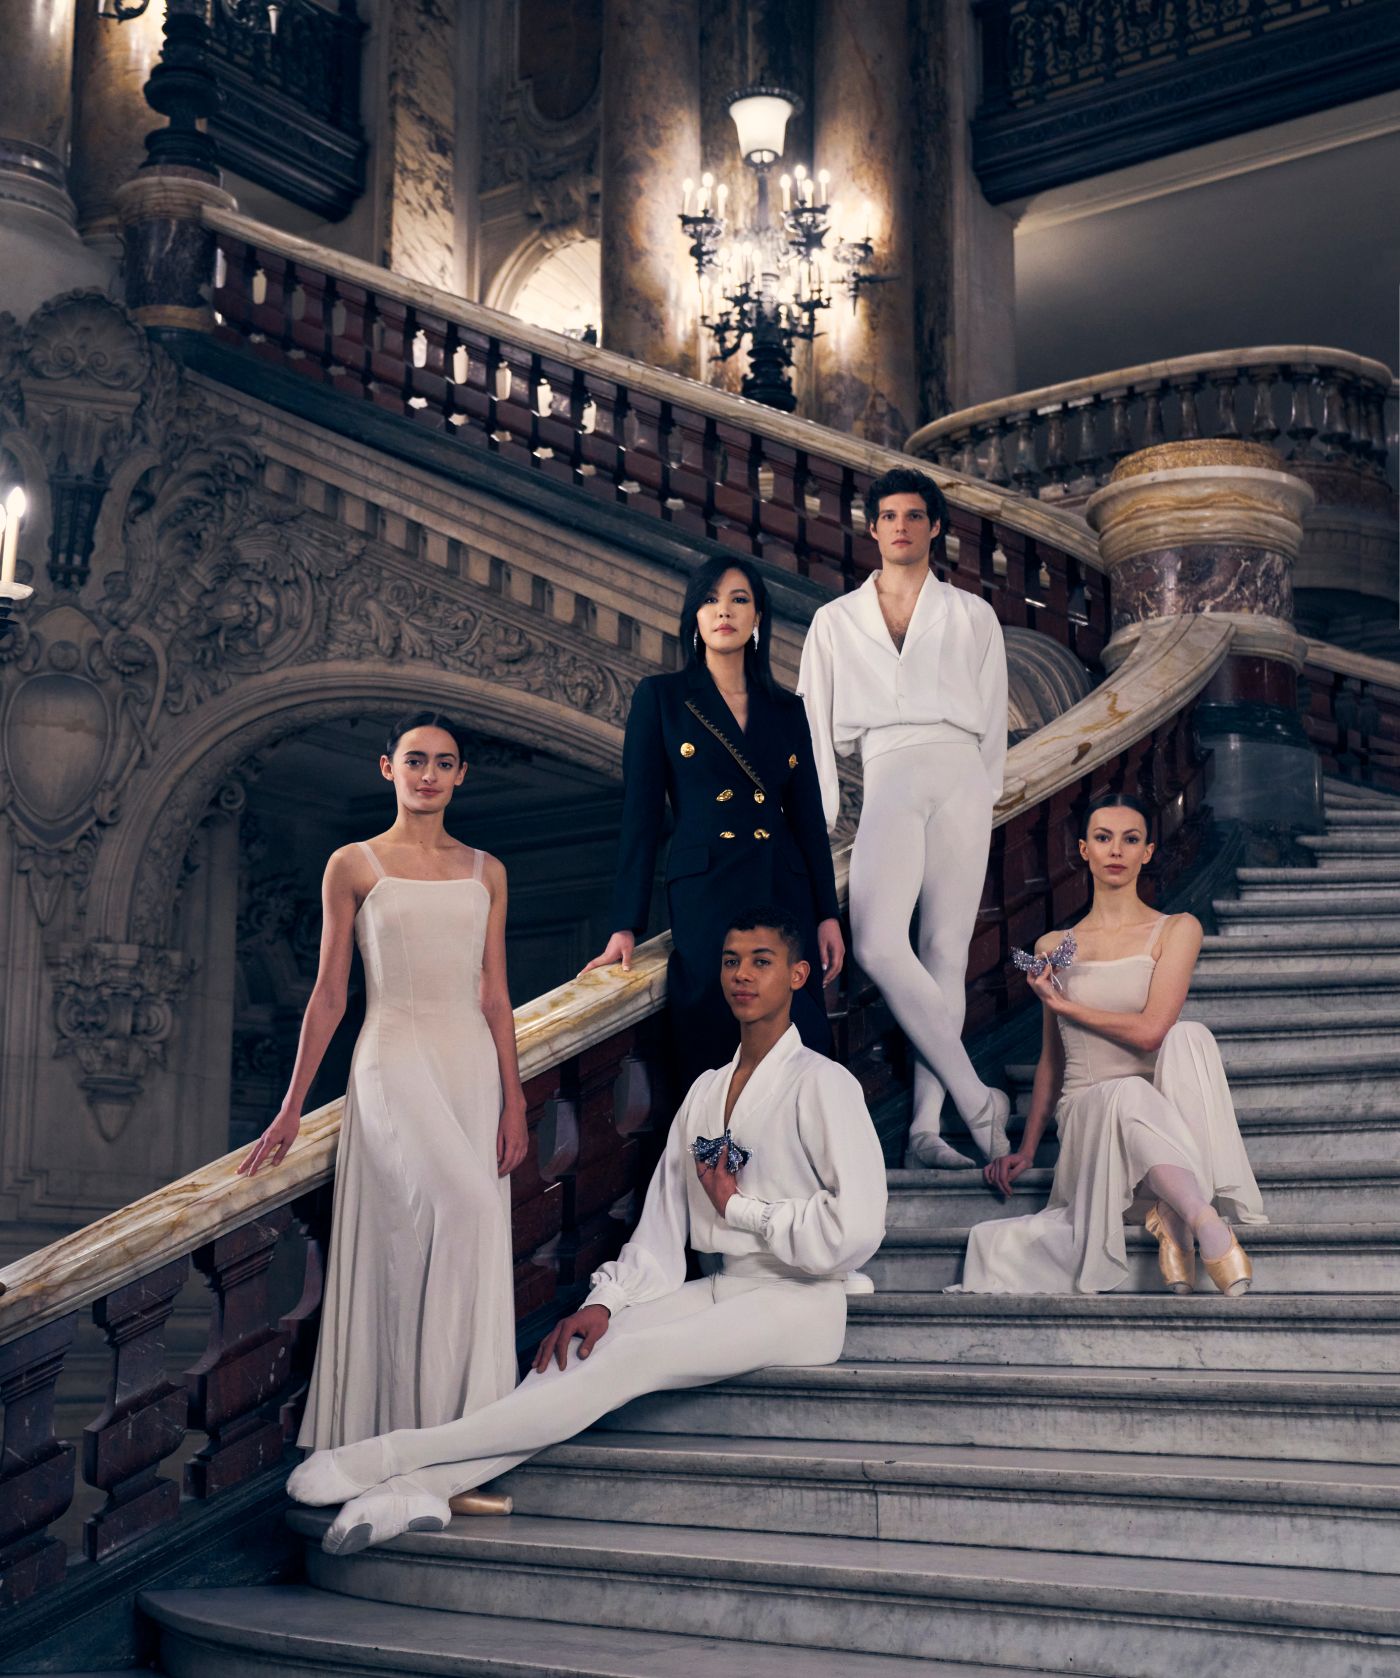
{"x": 1304, "y": 1417}
{"x": 1263, "y": 1513}
{"x": 1128, "y": 1616}
{"x": 1313, "y": 911}
{"x": 286, "y": 1631}
{"x": 1239, "y": 972}
{"x": 1315, "y": 1011}
{"x": 1294, "y": 1191}
{"x": 1362, "y": 815}
{"x": 1330, "y": 848}
{"x": 1374, "y": 875}
{"x": 1337, "y": 793}
{"x": 1341, "y": 938}
{"x": 1151, "y": 1330}
{"x": 1288, "y": 1259}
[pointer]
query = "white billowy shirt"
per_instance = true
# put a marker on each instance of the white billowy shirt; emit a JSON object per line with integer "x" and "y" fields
{"x": 812, "y": 1197}
{"x": 948, "y": 681}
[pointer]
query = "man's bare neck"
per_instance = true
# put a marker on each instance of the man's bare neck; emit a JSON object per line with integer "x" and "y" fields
{"x": 757, "y": 1037}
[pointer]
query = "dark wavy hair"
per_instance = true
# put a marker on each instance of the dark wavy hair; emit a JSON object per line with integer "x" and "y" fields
{"x": 770, "y": 917}
{"x": 1117, "y": 799}
{"x": 905, "y": 480}
{"x": 757, "y": 665}
{"x": 426, "y": 719}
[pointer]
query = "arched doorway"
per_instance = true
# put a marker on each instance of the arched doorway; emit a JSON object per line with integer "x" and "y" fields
{"x": 321, "y": 788}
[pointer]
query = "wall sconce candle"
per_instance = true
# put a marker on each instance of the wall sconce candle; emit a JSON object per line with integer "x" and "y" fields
{"x": 15, "y": 505}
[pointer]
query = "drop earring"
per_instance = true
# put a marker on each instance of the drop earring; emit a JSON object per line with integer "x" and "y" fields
{"x": 755, "y": 637}
{"x": 695, "y": 640}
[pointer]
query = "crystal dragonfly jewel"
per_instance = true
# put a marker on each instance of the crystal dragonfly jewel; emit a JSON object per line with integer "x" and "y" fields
{"x": 1061, "y": 957}
{"x": 707, "y": 1149}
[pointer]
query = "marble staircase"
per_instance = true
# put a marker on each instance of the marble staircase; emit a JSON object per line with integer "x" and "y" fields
{"x": 1130, "y": 1485}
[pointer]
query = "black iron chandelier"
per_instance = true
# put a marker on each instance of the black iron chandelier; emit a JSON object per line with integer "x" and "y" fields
{"x": 767, "y": 284}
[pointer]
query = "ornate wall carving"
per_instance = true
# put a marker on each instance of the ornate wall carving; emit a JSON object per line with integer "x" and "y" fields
{"x": 216, "y": 613}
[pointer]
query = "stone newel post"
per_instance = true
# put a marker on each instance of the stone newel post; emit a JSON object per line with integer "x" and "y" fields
{"x": 1216, "y": 527}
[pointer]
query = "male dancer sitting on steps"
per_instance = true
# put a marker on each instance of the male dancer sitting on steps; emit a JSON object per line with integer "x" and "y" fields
{"x": 915, "y": 671}
{"x": 806, "y": 1207}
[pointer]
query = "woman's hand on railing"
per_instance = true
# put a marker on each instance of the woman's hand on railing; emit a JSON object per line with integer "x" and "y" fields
{"x": 272, "y": 1146}
{"x": 512, "y": 1138}
{"x": 620, "y": 948}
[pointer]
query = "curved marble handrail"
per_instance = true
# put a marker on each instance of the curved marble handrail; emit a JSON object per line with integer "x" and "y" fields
{"x": 1060, "y": 529}
{"x": 1063, "y": 439}
{"x": 1168, "y": 666}
{"x": 1341, "y": 662}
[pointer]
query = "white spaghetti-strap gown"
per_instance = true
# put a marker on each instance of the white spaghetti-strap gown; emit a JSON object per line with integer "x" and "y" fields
{"x": 418, "y": 1323}
{"x": 1121, "y": 1112}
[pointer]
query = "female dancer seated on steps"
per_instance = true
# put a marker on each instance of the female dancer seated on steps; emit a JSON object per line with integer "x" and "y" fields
{"x": 1138, "y": 1094}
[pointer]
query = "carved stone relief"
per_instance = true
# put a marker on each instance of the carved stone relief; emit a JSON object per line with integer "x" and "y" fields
{"x": 211, "y": 617}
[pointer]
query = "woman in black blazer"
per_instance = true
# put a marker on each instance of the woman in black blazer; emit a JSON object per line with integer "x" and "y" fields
{"x": 732, "y": 752}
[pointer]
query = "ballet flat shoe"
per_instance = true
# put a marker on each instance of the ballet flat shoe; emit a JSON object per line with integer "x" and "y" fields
{"x": 1232, "y": 1272}
{"x": 321, "y": 1479}
{"x": 481, "y": 1503}
{"x": 377, "y": 1516}
{"x": 1177, "y": 1263}
{"x": 934, "y": 1154}
{"x": 989, "y": 1127}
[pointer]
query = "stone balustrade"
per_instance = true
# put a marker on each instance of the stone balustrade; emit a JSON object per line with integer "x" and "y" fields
{"x": 597, "y": 1111}
{"x": 1316, "y": 407}
{"x": 1351, "y": 713}
{"x": 706, "y": 462}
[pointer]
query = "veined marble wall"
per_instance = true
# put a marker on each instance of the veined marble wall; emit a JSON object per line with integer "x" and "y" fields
{"x": 418, "y": 229}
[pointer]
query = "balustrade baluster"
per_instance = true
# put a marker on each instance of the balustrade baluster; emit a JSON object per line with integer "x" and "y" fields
{"x": 389, "y": 354}
{"x": 1375, "y": 430}
{"x": 1262, "y": 426}
{"x": 1153, "y": 432}
{"x": 1120, "y": 427}
{"x": 735, "y": 492}
{"x": 1355, "y": 443}
{"x": 36, "y": 1469}
{"x": 270, "y": 315}
{"x": 1086, "y": 444}
{"x": 430, "y": 393}
{"x": 600, "y": 443}
{"x": 1223, "y": 382}
{"x": 247, "y": 1362}
{"x": 1025, "y": 472}
{"x": 350, "y": 334}
{"x": 996, "y": 471}
{"x": 311, "y": 1221}
{"x": 1190, "y": 419}
{"x": 1056, "y": 456}
{"x": 968, "y": 463}
{"x": 689, "y": 480}
{"x": 778, "y": 519}
{"x": 644, "y": 465}
{"x": 556, "y": 435}
{"x": 233, "y": 290}
{"x": 1301, "y": 429}
{"x": 309, "y": 331}
{"x": 144, "y": 1420}
{"x": 1332, "y": 432}
{"x": 512, "y": 424}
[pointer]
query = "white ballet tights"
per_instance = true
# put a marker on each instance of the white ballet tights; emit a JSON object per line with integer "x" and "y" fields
{"x": 1177, "y": 1189}
{"x": 708, "y": 1330}
{"x": 925, "y": 830}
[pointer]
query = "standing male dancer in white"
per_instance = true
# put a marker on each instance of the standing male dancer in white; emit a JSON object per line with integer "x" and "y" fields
{"x": 914, "y": 671}
{"x": 810, "y": 1209}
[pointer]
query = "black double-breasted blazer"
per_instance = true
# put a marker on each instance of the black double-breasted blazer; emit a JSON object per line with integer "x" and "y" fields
{"x": 749, "y": 830}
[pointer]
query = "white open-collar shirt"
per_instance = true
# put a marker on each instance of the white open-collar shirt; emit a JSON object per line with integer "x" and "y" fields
{"x": 859, "y": 688}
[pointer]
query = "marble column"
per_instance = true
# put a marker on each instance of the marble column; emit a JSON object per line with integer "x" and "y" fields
{"x": 865, "y": 375}
{"x": 1216, "y": 527}
{"x": 650, "y": 144}
{"x": 418, "y": 225}
{"x": 110, "y": 115}
{"x": 38, "y": 231}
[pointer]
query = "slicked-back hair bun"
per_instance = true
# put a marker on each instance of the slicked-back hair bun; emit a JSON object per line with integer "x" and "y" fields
{"x": 426, "y": 719}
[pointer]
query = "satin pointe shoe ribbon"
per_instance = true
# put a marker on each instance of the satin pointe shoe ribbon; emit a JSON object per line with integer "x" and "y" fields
{"x": 1061, "y": 957}
{"x": 707, "y": 1149}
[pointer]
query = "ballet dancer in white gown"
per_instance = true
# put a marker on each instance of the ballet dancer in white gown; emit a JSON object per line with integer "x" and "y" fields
{"x": 1138, "y": 1094}
{"x": 418, "y": 1320}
